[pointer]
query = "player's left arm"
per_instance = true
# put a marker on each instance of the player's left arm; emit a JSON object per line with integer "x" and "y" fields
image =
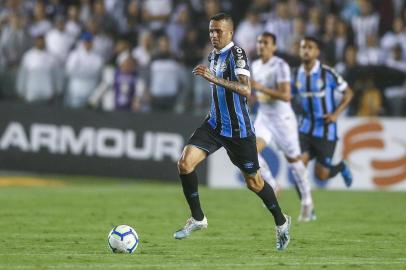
{"x": 242, "y": 86}
{"x": 283, "y": 79}
{"x": 342, "y": 86}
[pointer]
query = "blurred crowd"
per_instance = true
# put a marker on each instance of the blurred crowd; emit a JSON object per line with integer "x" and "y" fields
{"x": 137, "y": 55}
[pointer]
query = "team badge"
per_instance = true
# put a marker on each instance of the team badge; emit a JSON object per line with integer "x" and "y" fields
{"x": 241, "y": 63}
{"x": 223, "y": 67}
{"x": 319, "y": 83}
{"x": 298, "y": 84}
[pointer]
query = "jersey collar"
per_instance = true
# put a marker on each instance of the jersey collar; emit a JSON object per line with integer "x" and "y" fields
{"x": 226, "y": 48}
{"x": 314, "y": 70}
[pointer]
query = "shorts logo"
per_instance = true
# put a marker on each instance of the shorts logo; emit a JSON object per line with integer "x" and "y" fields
{"x": 241, "y": 63}
{"x": 248, "y": 165}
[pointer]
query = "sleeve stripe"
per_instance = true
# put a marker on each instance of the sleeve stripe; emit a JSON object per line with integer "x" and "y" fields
{"x": 342, "y": 87}
{"x": 241, "y": 71}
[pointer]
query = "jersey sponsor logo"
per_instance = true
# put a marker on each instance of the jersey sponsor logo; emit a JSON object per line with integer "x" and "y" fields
{"x": 90, "y": 141}
{"x": 319, "y": 94}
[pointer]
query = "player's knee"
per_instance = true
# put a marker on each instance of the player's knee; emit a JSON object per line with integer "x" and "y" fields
{"x": 185, "y": 166}
{"x": 254, "y": 184}
{"x": 322, "y": 174}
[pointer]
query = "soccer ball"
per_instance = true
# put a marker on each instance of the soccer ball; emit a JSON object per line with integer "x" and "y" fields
{"x": 123, "y": 239}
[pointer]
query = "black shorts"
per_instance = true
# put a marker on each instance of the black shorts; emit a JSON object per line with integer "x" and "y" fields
{"x": 241, "y": 151}
{"x": 319, "y": 148}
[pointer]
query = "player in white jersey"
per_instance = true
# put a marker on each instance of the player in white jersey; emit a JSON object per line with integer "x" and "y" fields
{"x": 276, "y": 119}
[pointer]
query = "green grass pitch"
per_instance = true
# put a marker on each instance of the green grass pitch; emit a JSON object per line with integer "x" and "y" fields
{"x": 66, "y": 228}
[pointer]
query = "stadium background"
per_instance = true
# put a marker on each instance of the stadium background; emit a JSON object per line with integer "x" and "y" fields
{"x": 58, "y": 118}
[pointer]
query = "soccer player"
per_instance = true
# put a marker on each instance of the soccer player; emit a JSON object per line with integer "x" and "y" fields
{"x": 276, "y": 119}
{"x": 227, "y": 125}
{"x": 316, "y": 84}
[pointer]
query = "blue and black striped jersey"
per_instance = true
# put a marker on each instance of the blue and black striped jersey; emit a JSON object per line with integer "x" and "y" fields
{"x": 229, "y": 112}
{"x": 317, "y": 99}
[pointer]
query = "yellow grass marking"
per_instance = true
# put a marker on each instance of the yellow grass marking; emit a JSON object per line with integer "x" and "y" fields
{"x": 27, "y": 181}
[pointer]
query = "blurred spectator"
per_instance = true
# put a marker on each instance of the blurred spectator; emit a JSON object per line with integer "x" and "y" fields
{"x": 165, "y": 79}
{"x": 176, "y": 30}
{"x": 8, "y": 8}
{"x": 83, "y": 69}
{"x": 313, "y": 27}
{"x": 371, "y": 101}
{"x": 156, "y": 13}
{"x": 59, "y": 41}
{"x": 299, "y": 31}
{"x": 118, "y": 25}
{"x": 131, "y": 23}
{"x": 210, "y": 8}
{"x": 247, "y": 32}
{"x": 37, "y": 79}
{"x": 329, "y": 39}
{"x": 263, "y": 7}
{"x": 202, "y": 94}
{"x": 73, "y": 25}
{"x": 54, "y": 8}
{"x": 143, "y": 52}
{"x": 14, "y": 41}
{"x": 192, "y": 54}
{"x": 116, "y": 9}
{"x": 41, "y": 25}
{"x": 341, "y": 40}
{"x": 296, "y": 8}
{"x": 350, "y": 10}
{"x": 396, "y": 59}
{"x": 366, "y": 24}
{"x": 348, "y": 65}
{"x": 281, "y": 25}
{"x": 396, "y": 95}
{"x": 124, "y": 83}
{"x": 104, "y": 21}
{"x": 85, "y": 10}
{"x": 372, "y": 54}
{"x": 395, "y": 37}
{"x": 102, "y": 43}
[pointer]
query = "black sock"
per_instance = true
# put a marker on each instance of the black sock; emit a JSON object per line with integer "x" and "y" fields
{"x": 335, "y": 169}
{"x": 268, "y": 197}
{"x": 189, "y": 184}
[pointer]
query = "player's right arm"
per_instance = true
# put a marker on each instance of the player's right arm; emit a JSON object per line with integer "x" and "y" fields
{"x": 340, "y": 85}
{"x": 242, "y": 86}
{"x": 283, "y": 91}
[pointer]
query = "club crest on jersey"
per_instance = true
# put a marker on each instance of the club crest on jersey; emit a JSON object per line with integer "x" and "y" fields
{"x": 319, "y": 83}
{"x": 240, "y": 63}
{"x": 298, "y": 84}
{"x": 223, "y": 67}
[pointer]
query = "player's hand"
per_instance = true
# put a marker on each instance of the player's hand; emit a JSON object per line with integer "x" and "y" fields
{"x": 204, "y": 71}
{"x": 329, "y": 118}
{"x": 255, "y": 85}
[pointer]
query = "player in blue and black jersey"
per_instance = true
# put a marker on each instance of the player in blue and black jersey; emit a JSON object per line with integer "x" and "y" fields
{"x": 316, "y": 84}
{"x": 227, "y": 125}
